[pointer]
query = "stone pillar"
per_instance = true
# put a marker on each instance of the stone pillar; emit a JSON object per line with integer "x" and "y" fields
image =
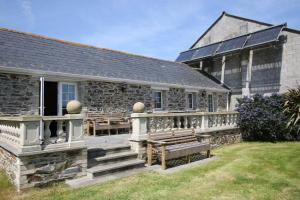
{"x": 139, "y": 129}
{"x": 223, "y": 69}
{"x": 246, "y": 90}
{"x": 204, "y": 122}
{"x": 201, "y": 65}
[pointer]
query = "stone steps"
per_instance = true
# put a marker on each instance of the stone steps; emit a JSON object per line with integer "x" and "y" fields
{"x": 106, "y": 164}
{"x": 112, "y": 158}
{"x": 115, "y": 167}
{"x": 98, "y": 152}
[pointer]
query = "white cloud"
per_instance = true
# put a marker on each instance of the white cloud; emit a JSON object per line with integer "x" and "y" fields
{"x": 27, "y": 10}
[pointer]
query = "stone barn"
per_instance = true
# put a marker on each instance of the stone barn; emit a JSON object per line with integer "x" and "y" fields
{"x": 248, "y": 56}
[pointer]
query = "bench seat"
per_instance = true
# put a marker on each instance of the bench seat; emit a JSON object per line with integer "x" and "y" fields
{"x": 171, "y": 145}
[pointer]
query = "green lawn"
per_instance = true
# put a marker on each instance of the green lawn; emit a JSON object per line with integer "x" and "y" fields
{"x": 243, "y": 171}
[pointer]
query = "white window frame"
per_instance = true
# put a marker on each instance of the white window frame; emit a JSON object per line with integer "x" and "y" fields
{"x": 60, "y": 84}
{"x": 188, "y": 101}
{"x": 161, "y": 98}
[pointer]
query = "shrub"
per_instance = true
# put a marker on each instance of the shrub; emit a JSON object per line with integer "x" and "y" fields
{"x": 292, "y": 109}
{"x": 262, "y": 118}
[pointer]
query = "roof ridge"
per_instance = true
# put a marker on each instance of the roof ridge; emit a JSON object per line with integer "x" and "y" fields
{"x": 83, "y": 45}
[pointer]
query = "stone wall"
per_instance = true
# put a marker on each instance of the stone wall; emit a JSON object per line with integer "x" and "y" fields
{"x": 120, "y": 97}
{"x": 8, "y": 163}
{"x": 39, "y": 169}
{"x": 290, "y": 73}
{"x": 176, "y": 99}
{"x": 228, "y": 27}
{"x": 113, "y": 97}
{"x": 19, "y": 94}
{"x": 225, "y": 137}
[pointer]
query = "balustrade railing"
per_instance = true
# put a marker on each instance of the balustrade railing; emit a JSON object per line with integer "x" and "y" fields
{"x": 143, "y": 123}
{"x": 157, "y": 122}
{"x": 35, "y": 133}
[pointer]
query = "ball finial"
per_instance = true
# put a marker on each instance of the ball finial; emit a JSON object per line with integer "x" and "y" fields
{"x": 74, "y": 107}
{"x": 138, "y": 107}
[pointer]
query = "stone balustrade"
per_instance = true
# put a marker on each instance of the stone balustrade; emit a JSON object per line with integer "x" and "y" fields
{"x": 202, "y": 122}
{"x": 23, "y": 134}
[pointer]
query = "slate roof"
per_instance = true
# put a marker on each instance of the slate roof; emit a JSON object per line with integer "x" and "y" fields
{"x": 33, "y": 52}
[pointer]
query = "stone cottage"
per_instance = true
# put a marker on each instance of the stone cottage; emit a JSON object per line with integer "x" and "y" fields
{"x": 39, "y": 72}
{"x": 248, "y": 56}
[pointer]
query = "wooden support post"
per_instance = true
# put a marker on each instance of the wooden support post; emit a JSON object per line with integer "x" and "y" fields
{"x": 149, "y": 154}
{"x": 163, "y": 157}
{"x": 94, "y": 128}
{"x": 208, "y": 154}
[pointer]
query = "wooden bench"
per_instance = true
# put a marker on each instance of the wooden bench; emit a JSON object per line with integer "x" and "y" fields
{"x": 171, "y": 145}
{"x": 101, "y": 122}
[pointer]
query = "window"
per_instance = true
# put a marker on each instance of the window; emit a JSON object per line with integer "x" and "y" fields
{"x": 158, "y": 100}
{"x": 210, "y": 103}
{"x": 68, "y": 93}
{"x": 190, "y": 101}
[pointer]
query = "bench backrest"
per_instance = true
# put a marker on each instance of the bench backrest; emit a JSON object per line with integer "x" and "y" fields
{"x": 174, "y": 137}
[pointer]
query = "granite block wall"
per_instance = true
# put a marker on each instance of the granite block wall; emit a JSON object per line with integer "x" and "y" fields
{"x": 19, "y": 94}
{"x": 39, "y": 169}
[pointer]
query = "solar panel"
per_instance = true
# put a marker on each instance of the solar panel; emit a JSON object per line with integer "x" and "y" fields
{"x": 232, "y": 44}
{"x": 205, "y": 51}
{"x": 184, "y": 56}
{"x": 264, "y": 36}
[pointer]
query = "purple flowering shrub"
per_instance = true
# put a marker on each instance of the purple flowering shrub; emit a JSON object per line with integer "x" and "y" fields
{"x": 262, "y": 118}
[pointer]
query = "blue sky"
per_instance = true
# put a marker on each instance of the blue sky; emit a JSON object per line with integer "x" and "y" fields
{"x": 157, "y": 28}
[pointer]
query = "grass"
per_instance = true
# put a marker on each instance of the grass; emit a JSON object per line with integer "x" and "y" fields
{"x": 243, "y": 171}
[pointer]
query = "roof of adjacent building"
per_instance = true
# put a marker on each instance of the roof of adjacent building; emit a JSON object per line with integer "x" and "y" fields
{"x": 21, "y": 51}
{"x": 249, "y": 40}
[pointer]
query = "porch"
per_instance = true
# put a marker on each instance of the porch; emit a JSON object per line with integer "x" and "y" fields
{"x": 32, "y": 157}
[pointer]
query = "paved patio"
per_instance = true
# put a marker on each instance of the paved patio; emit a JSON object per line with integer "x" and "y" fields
{"x": 104, "y": 142}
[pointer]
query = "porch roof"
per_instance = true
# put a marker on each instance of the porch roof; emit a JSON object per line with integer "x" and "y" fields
{"x": 25, "y": 52}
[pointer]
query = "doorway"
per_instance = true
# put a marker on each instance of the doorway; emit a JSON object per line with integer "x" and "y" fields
{"x": 50, "y": 103}
{"x": 50, "y": 98}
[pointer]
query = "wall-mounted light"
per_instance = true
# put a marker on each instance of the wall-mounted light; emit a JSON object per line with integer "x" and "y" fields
{"x": 203, "y": 93}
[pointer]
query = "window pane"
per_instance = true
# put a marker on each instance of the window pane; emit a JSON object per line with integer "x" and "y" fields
{"x": 71, "y": 96}
{"x": 190, "y": 101}
{"x": 210, "y": 103}
{"x": 71, "y": 89}
{"x": 157, "y": 100}
{"x": 64, "y": 88}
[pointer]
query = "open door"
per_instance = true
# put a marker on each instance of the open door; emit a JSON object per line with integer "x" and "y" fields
{"x": 50, "y": 103}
